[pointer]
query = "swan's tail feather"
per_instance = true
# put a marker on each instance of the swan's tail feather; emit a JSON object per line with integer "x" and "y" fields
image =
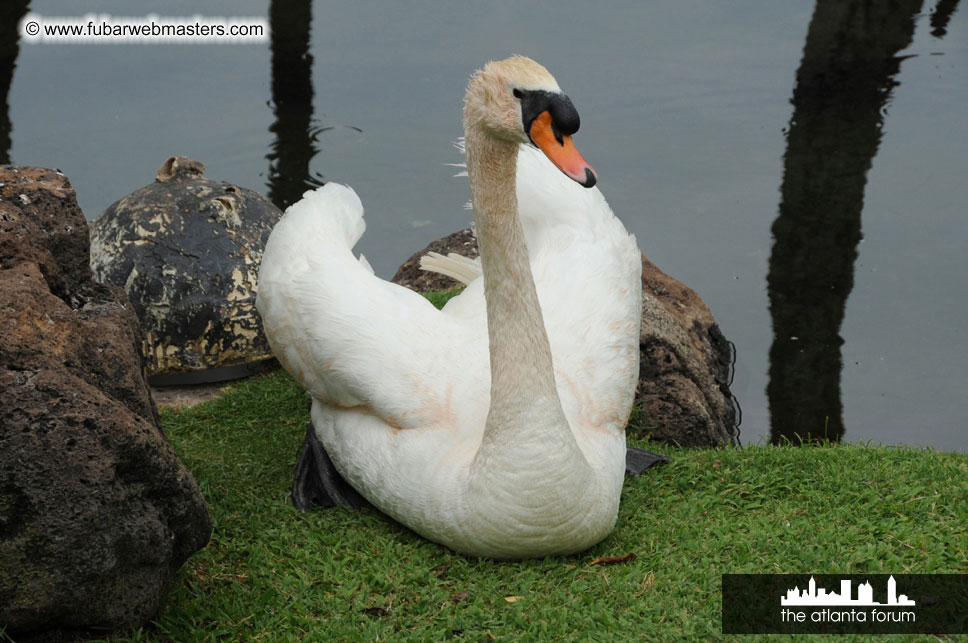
{"x": 366, "y": 265}
{"x": 453, "y": 265}
{"x": 332, "y": 213}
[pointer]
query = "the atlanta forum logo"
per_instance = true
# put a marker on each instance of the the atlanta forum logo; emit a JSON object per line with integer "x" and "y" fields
{"x": 819, "y": 606}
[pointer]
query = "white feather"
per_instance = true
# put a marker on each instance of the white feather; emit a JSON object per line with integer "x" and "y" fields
{"x": 455, "y": 266}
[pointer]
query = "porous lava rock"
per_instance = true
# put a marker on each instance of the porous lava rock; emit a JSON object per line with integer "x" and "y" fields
{"x": 96, "y": 511}
{"x": 685, "y": 366}
{"x": 187, "y": 251}
{"x": 685, "y": 362}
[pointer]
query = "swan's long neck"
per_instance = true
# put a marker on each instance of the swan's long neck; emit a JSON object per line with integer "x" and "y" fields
{"x": 524, "y": 397}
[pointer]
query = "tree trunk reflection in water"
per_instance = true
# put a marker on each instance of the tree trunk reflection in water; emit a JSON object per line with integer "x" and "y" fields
{"x": 292, "y": 102}
{"x": 11, "y": 12}
{"x": 842, "y": 87}
{"x": 940, "y": 17}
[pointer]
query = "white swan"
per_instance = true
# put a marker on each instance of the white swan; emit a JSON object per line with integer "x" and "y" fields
{"x": 496, "y": 426}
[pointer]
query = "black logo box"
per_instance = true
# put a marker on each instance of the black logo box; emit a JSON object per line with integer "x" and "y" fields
{"x": 751, "y": 605}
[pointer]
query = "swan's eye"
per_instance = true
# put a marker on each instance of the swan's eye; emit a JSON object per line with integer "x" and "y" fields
{"x": 518, "y": 93}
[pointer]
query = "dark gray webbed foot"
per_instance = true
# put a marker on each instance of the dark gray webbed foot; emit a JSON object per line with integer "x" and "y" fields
{"x": 317, "y": 482}
{"x": 638, "y": 460}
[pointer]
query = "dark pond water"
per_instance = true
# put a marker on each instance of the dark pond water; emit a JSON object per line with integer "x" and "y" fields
{"x": 800, "y": 164}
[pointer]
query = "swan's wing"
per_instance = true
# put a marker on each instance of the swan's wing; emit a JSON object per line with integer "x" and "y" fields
{"x": 587, "y": 270}
{"x": 590, "y": 294}
{"x": 351, "y": 338}
{"x": 549, "y": 200}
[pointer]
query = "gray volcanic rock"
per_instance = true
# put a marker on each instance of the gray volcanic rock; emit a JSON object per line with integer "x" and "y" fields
{"x": 685, "y": 361}
{"x": 187, "y": 251}
{"x": 96, "y": 512}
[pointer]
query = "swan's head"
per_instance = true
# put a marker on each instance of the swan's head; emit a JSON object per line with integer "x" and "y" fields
{"x": 518, "y": 100}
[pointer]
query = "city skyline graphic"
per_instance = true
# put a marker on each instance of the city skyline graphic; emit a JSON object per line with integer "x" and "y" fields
{"x": 812, "y": 595}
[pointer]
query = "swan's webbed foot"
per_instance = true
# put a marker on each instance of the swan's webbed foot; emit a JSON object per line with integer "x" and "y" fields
{"x": 638, "y": 460}
{"x": 317, "y": 482}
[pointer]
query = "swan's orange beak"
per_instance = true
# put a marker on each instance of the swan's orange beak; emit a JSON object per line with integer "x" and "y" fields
{"x": 561, "y": 151}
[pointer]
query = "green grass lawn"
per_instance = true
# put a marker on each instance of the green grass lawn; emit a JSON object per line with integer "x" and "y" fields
{"x": 272, "y": 573}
